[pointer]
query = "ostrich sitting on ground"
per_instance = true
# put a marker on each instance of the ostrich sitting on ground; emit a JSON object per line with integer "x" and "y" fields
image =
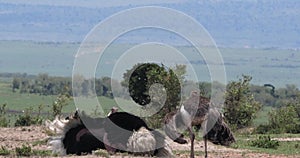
{"x": 72, "y": 136}
{"x": 118, "y": 132}
{"x": 196, "y": 111}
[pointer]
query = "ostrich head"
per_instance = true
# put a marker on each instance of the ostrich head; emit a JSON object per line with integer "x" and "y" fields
{"x": 217, "y": 131}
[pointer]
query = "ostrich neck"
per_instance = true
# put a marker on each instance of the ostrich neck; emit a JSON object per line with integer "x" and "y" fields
{"x": 185, "y": 116}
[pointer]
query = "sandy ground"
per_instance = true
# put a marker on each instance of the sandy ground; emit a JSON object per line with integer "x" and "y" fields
{"x": 16, "y": 137}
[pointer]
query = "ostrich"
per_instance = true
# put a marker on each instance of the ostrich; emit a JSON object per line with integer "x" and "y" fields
{"x": 130, "y": 133}
{"x": 196, "y": 111}
{"x": 72, "y": 136}
{"x": 118, "y": 132}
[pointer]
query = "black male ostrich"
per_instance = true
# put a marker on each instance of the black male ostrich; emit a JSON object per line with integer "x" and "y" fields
{"x": 118, "y": 132}
{"x": 196, "y": 111}
{"x": 126, "y": 132}
{"x": 72, "y": 136}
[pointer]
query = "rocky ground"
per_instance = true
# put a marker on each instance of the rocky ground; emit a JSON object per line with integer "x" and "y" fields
{"x": 36, "y": 137}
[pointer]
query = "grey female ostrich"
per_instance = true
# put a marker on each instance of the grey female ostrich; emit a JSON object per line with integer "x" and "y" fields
{"x": 196, "y": 111}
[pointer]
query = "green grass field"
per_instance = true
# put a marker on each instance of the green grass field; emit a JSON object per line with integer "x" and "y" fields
{"x": 16, "y": 101}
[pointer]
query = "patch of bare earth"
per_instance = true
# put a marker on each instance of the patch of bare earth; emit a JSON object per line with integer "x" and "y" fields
{"x": 16, "y": 137}
{"x": 217, "y": 151}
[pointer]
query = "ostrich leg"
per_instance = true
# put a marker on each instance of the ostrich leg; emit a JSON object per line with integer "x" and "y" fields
{"x": 205, "y": 145}
{"x": 192, "y": 137}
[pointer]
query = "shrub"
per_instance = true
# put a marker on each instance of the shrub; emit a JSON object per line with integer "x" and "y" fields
{"x": 297, "y": 146}
{"x": 263, "y": 129}
{"x": 61, "y": 101}
{"x": 293, "y": 128}
{"x": 265, "y": 142}
{"x": 285, "y": 119}
{"x": 240, "y": 107}
{"x": 141, "y": 81}
{"x": 3, "y": 120}
{"x": 23, "y": 120}
{"x": 281, "y": 120}
{"x": 27, "y": 119}
{"x": 4, "y": 151}
{"x": 23, "y": 151}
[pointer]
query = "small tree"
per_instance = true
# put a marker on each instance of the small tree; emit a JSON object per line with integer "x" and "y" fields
{"x": 61, "y": 101}
{"x": 141, "y": 78}
{"x": 15, "y": 84}
{"x": 240, "y": 107}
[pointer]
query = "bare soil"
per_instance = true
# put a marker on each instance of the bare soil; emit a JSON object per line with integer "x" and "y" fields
{"x": 35, "y": 135}
{"x": 17, "y": 136}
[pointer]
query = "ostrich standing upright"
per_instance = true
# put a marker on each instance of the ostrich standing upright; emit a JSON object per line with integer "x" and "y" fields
{"x": 196, "y": 111}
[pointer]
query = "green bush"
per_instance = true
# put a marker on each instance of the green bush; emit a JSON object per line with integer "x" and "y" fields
{"x": 293, "y": 128}
{"x": 61, "y": 101}
{"x": 3, "y": 120}
{"x": 297, "y": 146}
{"x": 28, "y": 119}
{"x": 264, "y": 142}
{"x": 281, "y": 120}
{"x": 140, "y": 80}
{"x": 25, "y": 120}
{"x": 4, "y": 151}
{"x": 240, "y": 107}
{"x": 23, "y": 151}
{"x": 285, "y": 119}
{"x": 263, "y": 129}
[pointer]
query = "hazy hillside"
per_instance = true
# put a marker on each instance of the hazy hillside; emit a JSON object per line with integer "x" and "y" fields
{"x": 276, "y": 66}
{"x": 231, "y": 23}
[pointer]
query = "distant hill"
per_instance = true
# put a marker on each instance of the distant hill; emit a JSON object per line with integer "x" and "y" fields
{"x": 232, "y": 23}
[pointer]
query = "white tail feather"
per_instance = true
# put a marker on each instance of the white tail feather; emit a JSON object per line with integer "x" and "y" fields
{"x": 54, "y": 126}
{"x": 60, "y": 127}
{"x": 57, "y": 125}
{"x": 141, "y": 141}
{"x": 57, "y": 146}
{"x": 144, "y": 142}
